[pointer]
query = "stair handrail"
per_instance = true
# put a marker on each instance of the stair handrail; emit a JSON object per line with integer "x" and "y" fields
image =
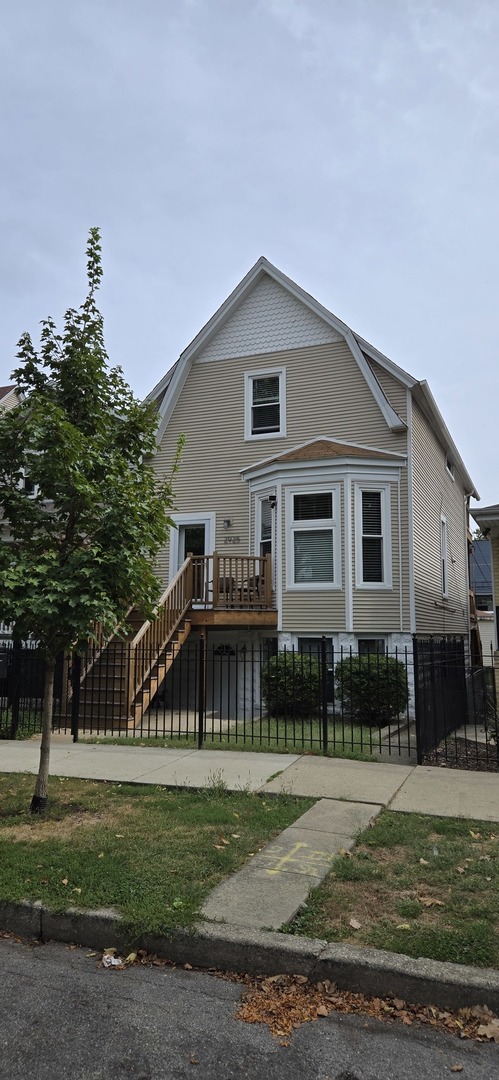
{"x": 155, "y": 634}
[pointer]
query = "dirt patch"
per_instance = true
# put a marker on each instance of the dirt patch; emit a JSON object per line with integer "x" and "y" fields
{"x": 369, "y": 907}
{"x": 38, "y": 830}
{"x": 465, "y": 754}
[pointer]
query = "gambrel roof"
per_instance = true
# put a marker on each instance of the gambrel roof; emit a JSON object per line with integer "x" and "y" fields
{"x": 166, "y": 393}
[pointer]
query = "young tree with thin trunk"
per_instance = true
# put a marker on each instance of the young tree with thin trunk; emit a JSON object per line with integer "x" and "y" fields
{"x": 83, "y": 512}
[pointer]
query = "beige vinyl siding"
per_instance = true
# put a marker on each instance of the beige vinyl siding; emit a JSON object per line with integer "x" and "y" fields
{"x": 313, "y": 611}
{"x": 326, "y": 395}
{"x": 393, "y": 390}
{"x": 436, "y": 494}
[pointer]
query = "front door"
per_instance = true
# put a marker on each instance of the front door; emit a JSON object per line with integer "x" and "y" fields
{"x": 191, "y": 541}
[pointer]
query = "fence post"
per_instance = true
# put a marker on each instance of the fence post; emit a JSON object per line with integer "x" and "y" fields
{"x": 201, "y": 689}
{"x": 14, "y": 689}
{"x": 324, "y": 695}
{"x": 417, "y": 700}
{"x": 75, "y": 696}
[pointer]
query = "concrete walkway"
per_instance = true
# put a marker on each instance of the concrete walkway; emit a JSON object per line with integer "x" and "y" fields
{"x": 272, "y": 886}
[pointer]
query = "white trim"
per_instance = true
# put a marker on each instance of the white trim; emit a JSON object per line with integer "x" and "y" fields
{"x": 399, "y": 530}
{"x": 410, "y": 506}
{"x": 444, "y": 556}
{"x": 208, "y": 519}
{"x": 262, "y": 373}
{"x": 279, "y": 554}
{"x": 333, "y": 524}
{"x": 393, "y": 420}
{"x": 386, "y": 524}
{"x": 260, "y": 497}
{"x": 348, "y": 540}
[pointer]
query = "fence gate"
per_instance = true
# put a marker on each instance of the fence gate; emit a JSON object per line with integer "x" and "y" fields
{"x": 456, "y": 710}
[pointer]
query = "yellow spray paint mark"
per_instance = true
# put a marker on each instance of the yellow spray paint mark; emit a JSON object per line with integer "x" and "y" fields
{"x": 300, "y": 859}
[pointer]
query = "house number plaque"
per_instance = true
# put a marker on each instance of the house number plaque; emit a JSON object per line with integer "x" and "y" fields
{"x": 232, "y": 539}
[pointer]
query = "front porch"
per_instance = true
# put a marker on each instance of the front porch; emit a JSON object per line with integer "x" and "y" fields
{"x": 232, "y": 590}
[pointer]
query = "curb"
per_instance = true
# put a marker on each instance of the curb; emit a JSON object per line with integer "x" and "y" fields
{"x": 373, "y": 972}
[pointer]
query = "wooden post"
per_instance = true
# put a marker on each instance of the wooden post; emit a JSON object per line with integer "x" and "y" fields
{"x": 268, "y": 580}
{"x": 216, "y": 578}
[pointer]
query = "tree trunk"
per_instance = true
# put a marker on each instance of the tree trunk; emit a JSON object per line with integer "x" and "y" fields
{"x": 40, "y": 797}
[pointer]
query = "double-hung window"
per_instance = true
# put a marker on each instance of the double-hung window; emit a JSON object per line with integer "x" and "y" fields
{"x": 314, "y": 539}
{"x": 444, "y": 557}
{"x": 373, "y": 536}
{"x": 265, "y": 404}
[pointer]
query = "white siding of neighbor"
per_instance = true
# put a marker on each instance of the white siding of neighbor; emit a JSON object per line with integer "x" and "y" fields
{"x": 437, "y": 494}
{"x": 8, "y": 402}
{"x": 268, "y": 320}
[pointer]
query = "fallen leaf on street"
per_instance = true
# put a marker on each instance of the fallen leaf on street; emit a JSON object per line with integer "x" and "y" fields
{"x": 456, "y": 1068}
{"x": 490, "y": 1030}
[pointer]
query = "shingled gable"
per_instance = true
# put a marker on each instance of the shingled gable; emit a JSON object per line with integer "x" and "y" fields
{"x": 169, "y": 388}
{"x": 325, "y": 449}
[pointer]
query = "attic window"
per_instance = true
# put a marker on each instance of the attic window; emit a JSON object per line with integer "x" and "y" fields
{"x": 449, "y": 465}
{"x": 265, "y": 404}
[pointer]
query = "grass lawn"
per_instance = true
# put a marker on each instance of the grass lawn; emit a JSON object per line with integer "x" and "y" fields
{"x": 423, "y": 886}
{"x": 267, "y": 736}
{"x": 150, "y": 853}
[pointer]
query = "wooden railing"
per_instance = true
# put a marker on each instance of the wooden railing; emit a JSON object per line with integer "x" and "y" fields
{"x": 241, "y": 582}
{"x": 153, "y": 636}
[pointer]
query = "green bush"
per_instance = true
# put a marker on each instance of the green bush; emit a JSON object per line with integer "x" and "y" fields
{"x": 372, "y": 690}
{"x": 291, "y": 685}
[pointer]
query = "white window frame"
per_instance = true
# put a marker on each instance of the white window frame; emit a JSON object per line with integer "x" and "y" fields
{"x": 386, "y": 526}
{"x": 292, "y": 526}
{"x": 444, "y": 556}
{"x": 22, "y": 486}
{"x": 263, "y": 373}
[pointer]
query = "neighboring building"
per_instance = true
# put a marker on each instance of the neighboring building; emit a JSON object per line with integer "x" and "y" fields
{"x": 8, "y": 398}
{"x": 481, "y": 574}
{"x": 306, "y": 445}
{"x": 487, "y": 518}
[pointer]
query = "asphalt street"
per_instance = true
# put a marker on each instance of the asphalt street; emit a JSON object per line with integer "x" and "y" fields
{"x": 62, "y": 1016}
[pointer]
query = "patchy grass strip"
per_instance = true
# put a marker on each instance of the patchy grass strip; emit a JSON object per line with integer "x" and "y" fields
{"x": 266, "y": 738}
{"x": 151, "y": 854}
{"x": 423, "y": 886}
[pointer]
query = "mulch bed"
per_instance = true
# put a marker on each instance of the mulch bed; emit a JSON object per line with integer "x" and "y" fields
{"x": 460, "y": 753}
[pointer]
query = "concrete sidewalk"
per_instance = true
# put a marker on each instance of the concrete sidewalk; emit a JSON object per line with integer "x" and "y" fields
{"x": 273, "y": 885}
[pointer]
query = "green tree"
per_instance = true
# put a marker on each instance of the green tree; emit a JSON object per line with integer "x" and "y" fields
{"x": 84, "y": 514}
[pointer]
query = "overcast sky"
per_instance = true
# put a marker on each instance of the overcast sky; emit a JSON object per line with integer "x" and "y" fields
{"x": 352, "y": 142}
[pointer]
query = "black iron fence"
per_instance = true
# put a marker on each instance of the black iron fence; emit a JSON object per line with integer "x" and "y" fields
{"x": 427, "y": 700}
{"x": 249, "y": 696}
{"x": 455, "y": 705}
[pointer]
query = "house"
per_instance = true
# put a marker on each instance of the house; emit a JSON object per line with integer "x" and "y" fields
{"x": 8, "y": 398}
{"x": 481, "y": 573}
{"x": 320, "y": 503}
{"x": 320, "y": 491}
{"x": 487, "y": 518}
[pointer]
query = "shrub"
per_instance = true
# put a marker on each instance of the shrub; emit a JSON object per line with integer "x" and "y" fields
{"x": 291, "y": 685}
{"x": 372, "y": 689}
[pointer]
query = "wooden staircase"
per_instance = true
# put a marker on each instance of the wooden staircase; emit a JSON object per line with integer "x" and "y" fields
{"x": 120, "y": 678}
